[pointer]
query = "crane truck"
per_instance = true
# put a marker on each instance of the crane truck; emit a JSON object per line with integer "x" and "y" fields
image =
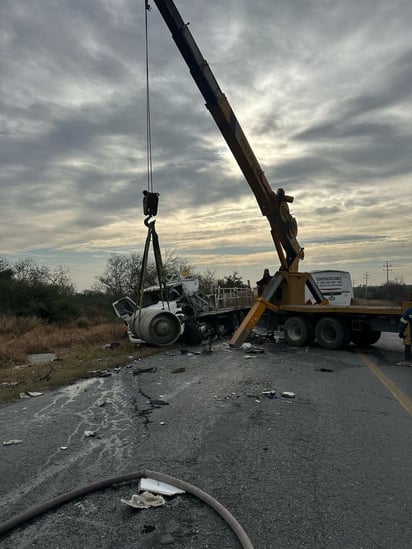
{"x": 332, "y": 326}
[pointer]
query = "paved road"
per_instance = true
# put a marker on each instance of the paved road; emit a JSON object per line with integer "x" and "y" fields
{"x": 329, "y": 469}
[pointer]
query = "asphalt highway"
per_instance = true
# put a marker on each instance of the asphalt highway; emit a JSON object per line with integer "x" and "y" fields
{"x": 328, "y": 468}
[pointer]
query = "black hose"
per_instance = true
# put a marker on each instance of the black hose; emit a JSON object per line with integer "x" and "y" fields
{"x": 145, "y": 473}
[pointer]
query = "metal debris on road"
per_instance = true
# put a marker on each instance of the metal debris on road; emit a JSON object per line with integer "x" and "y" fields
{"x": 144, "y": 500}
{"x": 10, "y": 442}
{"x": 288, "y": 394}
{"x": 158, "y": 487}
{"x": 256, "y": 351}
{"x": 138, "y": 371}
{"x": 90, "y": 433}
{"x": 29, "y": 394}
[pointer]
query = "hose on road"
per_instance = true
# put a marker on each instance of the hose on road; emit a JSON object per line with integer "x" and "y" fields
{"x": 106, "y": 483}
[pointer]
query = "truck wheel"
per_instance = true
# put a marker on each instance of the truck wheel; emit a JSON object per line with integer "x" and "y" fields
{"x": 331, "y": 333}
{"x": 191, "y": 334}
{"x": 298, "y": 331}
{"x": 365, "y": 337}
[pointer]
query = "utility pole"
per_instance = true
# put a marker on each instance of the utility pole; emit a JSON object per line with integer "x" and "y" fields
{"x": 366, "y": 277}
{"x": 386, "y": 267}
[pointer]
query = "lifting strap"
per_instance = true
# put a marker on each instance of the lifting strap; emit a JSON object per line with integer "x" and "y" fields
{"x": 150, "y": 204}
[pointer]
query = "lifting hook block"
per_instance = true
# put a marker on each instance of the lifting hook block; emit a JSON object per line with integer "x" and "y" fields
{"x": 150, "y": 203}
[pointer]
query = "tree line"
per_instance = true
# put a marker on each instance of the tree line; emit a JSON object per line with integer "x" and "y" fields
{"x": 30, "y": 289}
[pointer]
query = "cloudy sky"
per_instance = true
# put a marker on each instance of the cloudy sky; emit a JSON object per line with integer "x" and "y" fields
{"x": 322, "y": 89}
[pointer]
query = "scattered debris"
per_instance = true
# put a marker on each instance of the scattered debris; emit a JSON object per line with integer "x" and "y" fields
{"x": 324, "y": 370}
{"x": 21, "y": 366}
{"x": 138, "y": 371}
{"x": 13, "y": 441}
{"x": 40, "y": 358}
{"x": 256, "y": 351}
{"x": 247, "y": 346}
{"x": 64, "y": 447}
{"x": 404, "y": 363}
{"x": 179, "y": 370}
{"x": 90, "y": 433}
{"x": 158, "y": 487}
{"x": 157, "y": 402}
{"x": 111, "y": 346}
{"x": 270, "y": 394}
{"x": 29, "y": 394}
{"x": 7, "y": 384}
{"x": 185, "y": 352}
{"x": 162, "y": 423}
{"x": 288, "y": 394}
{"x": 144, "y": 500}
{"x": 101, "y": 373}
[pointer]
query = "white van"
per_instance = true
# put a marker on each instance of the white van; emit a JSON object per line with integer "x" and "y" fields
{"x": 336, "y": 286}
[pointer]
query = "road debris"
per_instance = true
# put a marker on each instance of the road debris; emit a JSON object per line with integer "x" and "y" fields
{"x": 288, "y": 394}
{"x": 64, "y": 447}
{"x": 101, "y": 373}
{"x": 40, "y": 358}
{"x": 144, "y": 500}
{"x": 29, "y": 394}
{"x": 7, "y": 384}
{"x": 12, "y": 441}
{"x": 256, "y": 351}
{"x": 270, "y": 394}
{"x": 21, "y": 366}
{"x": 140, "y": 370}
{"x": 158, "y": 487}
{"x": 324, "y": 370}
{"x": 90, "y": 433}
{"x": 158, "y": 402}
{"x": 179, "y": 370}
{"x": 111, "y": 346}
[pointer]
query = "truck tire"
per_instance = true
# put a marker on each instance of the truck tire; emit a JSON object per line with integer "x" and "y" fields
{"x": 191, "y": 334}
{"x": 331, "y": 333}
{"x": 365, "y": 337}
{"x": 298, "y": 331}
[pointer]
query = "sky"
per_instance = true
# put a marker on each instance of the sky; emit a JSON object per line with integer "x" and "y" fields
{"x": 321, "y": 88}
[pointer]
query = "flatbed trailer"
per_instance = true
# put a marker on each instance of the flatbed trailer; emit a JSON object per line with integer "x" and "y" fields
{"x": 331, "y": 326}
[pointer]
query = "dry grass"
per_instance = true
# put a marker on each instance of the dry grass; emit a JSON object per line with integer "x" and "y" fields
{"x": 80, "y": 351}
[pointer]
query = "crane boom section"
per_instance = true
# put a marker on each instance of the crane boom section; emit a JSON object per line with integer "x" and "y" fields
{"x": 272, "y": 205}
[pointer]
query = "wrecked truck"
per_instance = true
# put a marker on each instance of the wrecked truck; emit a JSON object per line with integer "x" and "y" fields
{"x": 182, "y": 312}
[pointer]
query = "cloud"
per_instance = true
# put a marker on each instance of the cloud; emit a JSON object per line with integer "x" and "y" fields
{"x": 323, "y": 93}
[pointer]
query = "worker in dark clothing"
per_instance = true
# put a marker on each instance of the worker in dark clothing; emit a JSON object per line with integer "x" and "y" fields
{"x": 263, "y": 282}
{"x": 406, "y": 319}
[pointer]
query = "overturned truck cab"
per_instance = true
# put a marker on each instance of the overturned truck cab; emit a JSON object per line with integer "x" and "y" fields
{"x": 181, "y": 311}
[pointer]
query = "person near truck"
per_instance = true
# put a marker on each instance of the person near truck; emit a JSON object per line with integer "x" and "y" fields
{"x": 263, "y": 282}
{"x": 406, "y": 319}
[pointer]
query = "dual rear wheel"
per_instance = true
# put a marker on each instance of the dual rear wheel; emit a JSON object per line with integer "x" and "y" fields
{"x": 331, "y": 333}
